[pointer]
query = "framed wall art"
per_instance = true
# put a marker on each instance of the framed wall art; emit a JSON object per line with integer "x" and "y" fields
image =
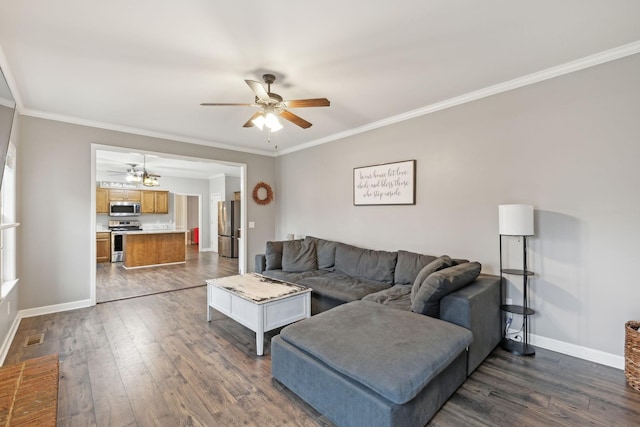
{"x": 385, "y": 184}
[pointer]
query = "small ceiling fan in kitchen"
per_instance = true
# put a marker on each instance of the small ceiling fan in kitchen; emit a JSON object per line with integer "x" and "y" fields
{"x": 141, "y": 176}
{"x": 272, "y": 106}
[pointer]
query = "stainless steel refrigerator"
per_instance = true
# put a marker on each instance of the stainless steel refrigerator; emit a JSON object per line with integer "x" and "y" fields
{"x": 228, "y": 228}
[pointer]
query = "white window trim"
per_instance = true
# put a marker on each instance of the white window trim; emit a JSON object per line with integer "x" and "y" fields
{"x": 8, "y": 283}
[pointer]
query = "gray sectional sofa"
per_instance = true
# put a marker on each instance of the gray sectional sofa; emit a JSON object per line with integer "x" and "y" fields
{"x": 392, "y": 336}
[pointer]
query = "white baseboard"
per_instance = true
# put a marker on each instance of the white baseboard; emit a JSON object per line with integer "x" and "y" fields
{"x": 578, "y": 351}
{"x": 39, "y": 311}
{"x": 574, "y": 350}
{"x": 4, "y": 350}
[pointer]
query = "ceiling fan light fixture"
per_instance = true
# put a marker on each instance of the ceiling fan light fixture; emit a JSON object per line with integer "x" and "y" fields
{"x": 272, "y": 122}
{"x": 150, "y": 181}
{"x": 259, "y": 121}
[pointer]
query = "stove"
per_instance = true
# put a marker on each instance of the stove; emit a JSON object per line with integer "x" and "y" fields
{"x": 121, "y": 225}
{"x": 118, "y": 227}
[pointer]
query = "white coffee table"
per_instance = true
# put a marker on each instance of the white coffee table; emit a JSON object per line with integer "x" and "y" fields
{"x": 259, "y": 303}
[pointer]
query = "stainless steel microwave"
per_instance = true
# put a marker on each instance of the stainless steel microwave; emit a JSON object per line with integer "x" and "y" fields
{"x": 124, "y": 208}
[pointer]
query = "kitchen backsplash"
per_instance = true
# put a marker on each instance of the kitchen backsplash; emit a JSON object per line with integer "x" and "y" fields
{"x": 102, "y": 223}
{"x": 156, "y": 226}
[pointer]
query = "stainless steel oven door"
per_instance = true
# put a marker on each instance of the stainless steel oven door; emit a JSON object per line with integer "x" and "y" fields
{"x": 117, "y": 246}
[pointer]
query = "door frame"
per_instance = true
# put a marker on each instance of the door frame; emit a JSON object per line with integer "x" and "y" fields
{"x": 214, "y": 224}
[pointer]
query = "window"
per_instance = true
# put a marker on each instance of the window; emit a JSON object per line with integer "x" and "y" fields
{"x": 9, "y": 224}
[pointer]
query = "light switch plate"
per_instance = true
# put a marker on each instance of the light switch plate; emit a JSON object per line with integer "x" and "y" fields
{"x": 252, "y": 224}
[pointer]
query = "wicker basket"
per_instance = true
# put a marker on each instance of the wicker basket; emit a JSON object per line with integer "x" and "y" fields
{"x": 632, "y": 353}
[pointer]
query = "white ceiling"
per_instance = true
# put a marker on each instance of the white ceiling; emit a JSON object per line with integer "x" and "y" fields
{"x": 145, "y": 66}
{"x": 114, "y": 163}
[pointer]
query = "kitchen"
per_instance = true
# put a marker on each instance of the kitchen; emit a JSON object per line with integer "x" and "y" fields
{"x": 144, "y": 232}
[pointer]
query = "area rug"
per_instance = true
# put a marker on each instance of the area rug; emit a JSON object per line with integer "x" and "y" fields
{"x": 29, "y": 392}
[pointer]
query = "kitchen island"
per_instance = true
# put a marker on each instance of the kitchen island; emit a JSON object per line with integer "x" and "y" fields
{"x": 148, "y": 248}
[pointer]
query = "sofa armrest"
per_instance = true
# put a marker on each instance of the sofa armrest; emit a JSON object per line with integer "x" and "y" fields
{"x": 477, "y": 308}
{"x": 261, "y": 263}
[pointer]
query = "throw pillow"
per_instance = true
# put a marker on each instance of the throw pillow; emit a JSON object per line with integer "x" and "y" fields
{"x": 441, "y": 283}
{"x": 437, "y": 264}
{"x": 299, "y": 256}
{"x": 326, "y": 250}
{"x": 273, "y": 255}
{"x": 409, "y": 265}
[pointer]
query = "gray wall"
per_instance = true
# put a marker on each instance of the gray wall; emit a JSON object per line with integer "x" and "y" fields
{"x": 54, "y": 204}
{"x": 570, "y": 146}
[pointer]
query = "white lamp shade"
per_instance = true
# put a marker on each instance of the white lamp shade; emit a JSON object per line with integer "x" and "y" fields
{"x": 515, "y": 220}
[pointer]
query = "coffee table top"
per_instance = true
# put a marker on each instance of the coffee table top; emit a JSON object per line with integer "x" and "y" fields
{"x": 257, "y": 288}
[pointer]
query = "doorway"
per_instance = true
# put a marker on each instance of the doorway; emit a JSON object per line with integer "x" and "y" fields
{"x": 187, "y": 213}
{"x": 191, "y": 213}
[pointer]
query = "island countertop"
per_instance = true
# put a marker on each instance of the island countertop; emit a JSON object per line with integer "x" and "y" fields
{"x": 152, "y": 231}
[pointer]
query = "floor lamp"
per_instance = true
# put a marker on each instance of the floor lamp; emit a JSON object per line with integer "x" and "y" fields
{"x": 517, "y": 220}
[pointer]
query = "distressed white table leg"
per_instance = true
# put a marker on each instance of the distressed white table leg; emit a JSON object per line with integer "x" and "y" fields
{"x": 208, "y": 303}
{"x": 260, "y": 332}
{"x": 259, "y": 343}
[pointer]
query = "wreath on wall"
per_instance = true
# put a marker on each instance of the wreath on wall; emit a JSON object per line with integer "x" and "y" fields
{"x": 256, "y": 193}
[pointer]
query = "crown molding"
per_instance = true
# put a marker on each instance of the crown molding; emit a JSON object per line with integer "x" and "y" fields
{"x": 142, "y": 132}
{"x": 526, "y": 80}
{"x": 529, "y": 79}
{"x": 6, "y": 70}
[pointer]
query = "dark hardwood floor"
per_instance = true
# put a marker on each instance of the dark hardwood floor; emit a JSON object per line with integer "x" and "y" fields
{"x": 114, "y": 282}
{"x": 155, "y": 360}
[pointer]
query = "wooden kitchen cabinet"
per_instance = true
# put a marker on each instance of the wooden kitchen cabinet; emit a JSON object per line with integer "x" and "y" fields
{"x": 103, "y": 247}
{"x": 155, "y": 202}
{"x": 102, "y": 201}
{"x": 125, "y": 195}
{"x": 162, "y": 202}
{"x": 148, "y": 202}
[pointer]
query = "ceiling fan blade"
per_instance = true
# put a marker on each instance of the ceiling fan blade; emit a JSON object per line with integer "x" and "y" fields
{"x": 287, "y": 115}
{"x": 314, "y": 102}
{"x": 223, "y": 104}
{"x": 250, "y": 121}
{"x": 259, "y": 90}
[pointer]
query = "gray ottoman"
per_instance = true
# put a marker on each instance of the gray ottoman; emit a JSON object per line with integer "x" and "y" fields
{"x": 366, "y": 364}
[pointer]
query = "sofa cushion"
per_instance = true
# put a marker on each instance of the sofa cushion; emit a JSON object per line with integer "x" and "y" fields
{"x": 366, "y": 263}
{"x": 292, "y": 277}
{"x": 408, "y": 266}
{"x": 299, "y": 255}
{"x": 398, "y": 296}
{"x": 273, "y": 255}
{"x": 342, "y": 287}
{"x": 363, "y": 350}
{"x": 437, "y": 264}
{"x": 326, "y": 250}
{"x": 441, "y": 283}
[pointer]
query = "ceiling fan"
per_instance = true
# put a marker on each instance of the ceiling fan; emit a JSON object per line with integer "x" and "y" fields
{"x": 272, "y": 105}
{"x": 140, "y": 176}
